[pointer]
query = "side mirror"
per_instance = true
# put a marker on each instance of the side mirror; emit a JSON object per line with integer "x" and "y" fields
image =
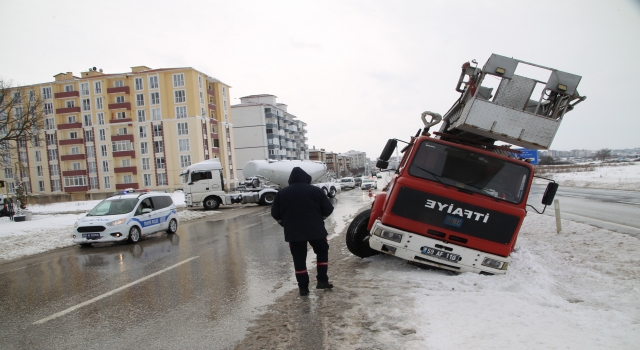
{"x": 383, "y": 160}
{"x": 550, "y": 193}
{"x": 146, "y": 210}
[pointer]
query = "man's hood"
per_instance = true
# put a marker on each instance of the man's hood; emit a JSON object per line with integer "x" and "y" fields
{"x": 299, "y": 175}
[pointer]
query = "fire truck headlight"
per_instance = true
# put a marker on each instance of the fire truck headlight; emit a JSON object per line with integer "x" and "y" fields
{"x": 492, "y": 263}
{"x": 392, "y": 236}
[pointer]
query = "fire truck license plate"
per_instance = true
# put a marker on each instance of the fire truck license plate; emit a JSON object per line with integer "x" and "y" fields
{"x": 440, "y": 254}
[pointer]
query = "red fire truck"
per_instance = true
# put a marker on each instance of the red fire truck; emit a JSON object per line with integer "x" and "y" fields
{"x": 457, "y": 200}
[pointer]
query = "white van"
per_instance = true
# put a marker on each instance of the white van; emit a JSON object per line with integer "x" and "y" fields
{"x": 347, "y": 182}
{"x": 127, "y": 215}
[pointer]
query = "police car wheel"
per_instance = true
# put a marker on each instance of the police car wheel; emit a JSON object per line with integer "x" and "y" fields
{"x": 134, "y": 234}
{"x": 173, "y": 226}
{"x": 211, "y": 203}
{"x": 358, "y": 236}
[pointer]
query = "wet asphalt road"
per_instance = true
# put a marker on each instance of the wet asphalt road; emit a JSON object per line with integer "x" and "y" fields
{"x": 197, "y": 289}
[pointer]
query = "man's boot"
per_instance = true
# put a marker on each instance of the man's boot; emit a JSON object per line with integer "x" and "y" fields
{"x": 324, "y": 285}
{"x": 304, "y": 290}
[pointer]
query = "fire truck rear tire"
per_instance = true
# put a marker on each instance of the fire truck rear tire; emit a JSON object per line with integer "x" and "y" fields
{"x": 358, "y": 236}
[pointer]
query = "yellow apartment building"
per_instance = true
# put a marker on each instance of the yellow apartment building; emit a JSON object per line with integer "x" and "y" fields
{"x": 108, "y": 132}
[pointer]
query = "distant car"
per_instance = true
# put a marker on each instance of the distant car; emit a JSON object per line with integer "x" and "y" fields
{"x": 6, "y": 207}
{"x": 369, "y": 183}
{"x": 128, "y": 215}
{"x": 347, "y": 182}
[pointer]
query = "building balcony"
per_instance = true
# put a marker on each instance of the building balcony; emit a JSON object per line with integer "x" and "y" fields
{"x": 122, "y": 138}
{"x": 70, "y": 126}
{"x": 115, "y": 121}
{"x": 127, "y": 185}
{"x": 126, "y": 169}
{"x": 211, "y": 93}
{"x": 118, "y": 90}
{"x": 215, "y": 150}
{"x": 67, "y": 110}
{"x": 131, "y": 154}
{"x": 71, "y": 142}
{"x": 73, "y": 157}
{"x": 74, "y": 172}
{"x": 212, "y": 107}
{"x": 214, "y": 135}
{"x": 122, "y": 105}
{"x": 76, "y": 189}
{"x": 67, "y": 94}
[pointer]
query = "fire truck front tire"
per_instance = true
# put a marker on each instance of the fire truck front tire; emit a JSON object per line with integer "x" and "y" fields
{"x": 358, "y": 236}
{"x": 211, "y": 203}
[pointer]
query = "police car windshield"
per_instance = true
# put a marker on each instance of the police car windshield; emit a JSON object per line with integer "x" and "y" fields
{"x": 470, "y": 171}
{"x": 114, "y": 207}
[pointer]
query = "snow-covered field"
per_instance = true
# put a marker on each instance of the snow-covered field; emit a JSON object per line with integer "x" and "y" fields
{"x": 578, "y": 289}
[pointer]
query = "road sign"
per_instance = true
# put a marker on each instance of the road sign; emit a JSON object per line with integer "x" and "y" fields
{"x": 531, "y": 154}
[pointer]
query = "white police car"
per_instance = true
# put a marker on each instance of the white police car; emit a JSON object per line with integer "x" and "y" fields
{"x": 127, "y": 215}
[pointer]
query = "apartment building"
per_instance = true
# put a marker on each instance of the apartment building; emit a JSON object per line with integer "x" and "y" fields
{"x": 358, "y": 159}
{"x": 107, "y": 132}
{"x": 264, "y": 129}
{"x": 318, "y": 155}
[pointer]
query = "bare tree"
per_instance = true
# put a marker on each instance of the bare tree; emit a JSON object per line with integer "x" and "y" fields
{"x": 603, "y": 154}
{"x": 21, "y": 120}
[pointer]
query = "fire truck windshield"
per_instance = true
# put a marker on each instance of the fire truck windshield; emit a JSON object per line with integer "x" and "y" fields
{"x": 470, "y": 171}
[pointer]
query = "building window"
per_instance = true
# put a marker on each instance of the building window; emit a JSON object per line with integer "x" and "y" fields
{"x": 180, "y": 96}
{"x": 71, "y": 119}
{"x": 75, "y": 150}
{"x": 70, "y": 181}
{"x": 160, "y": 163}
{"x": 73, "y": 135}
{"x": 200, "y": 81}
{"x": 97, "y": 87}
{"x": 55, "y": 186}
{"x": 88, "y": 135}
{"x": 39, "y": 171}
{"x": 183, "y": 129}
{"x": 146, "y": 180}
{"x": 162, "y": 179}
{"x": 70, "y": 103}
{"x": 86, "y": 120}
{"x": 38, "y": 156}
{"x": 156, "y": 114}
{"x": 139, "y": 85}
{"x": 269, "y": 131}
{"x": 99, "y": 103}
{"x": 119, "y": 99}
{"x": 68, "y": 88}
{"x": 100, "y": 118}
{"x": 86, "y": 104}
{"x": 155, "y": 98}
{"x": 103, "y": 150}
{"x": 118, "y": 83}
{"x": 105, "y": 166}
{"x": 142, "y": 116}
{"x": 41, "y": 186}
{"x": 92, "y": 167}
{"x": 102, "y": 135}
{"x": 144, "y": 148}
{"x": 181, "y": 112}
{"x": 84, "y": 88}
{"x": 122, "y": 131}
{"x": 145, "y": 164}
{"x": 153, "y": 82}
{"x": 47, "y": 108}
{"x": 121, "y": 115}
{"x": 185, "y": 160}
{"x": 55, "y": 170}
{"x": 142, "y": 131}
{"x": 22, "y": 156}
{"x": 53, "y": 154}
{"x": 91, "y": 150}
{"x": 183, "y": 145}
{"x": 216, "y": 143}
{"x": 158, "y": 146}
{"x": 75, "y": 166}
{"x": 201, "y": 97}
{"x": 178, "y": 80}
{"x": 8, "y": 173}
{"x": 214, "y": 129}
{"x": 106, "y": 181}
{"x": 125, "y": 163}
{"x": 93, "y": 182}
{"x": 119, "y": 146}
{"x": 46, "y": 93}
{"x": 157, "y": 130}
{"x": 139, "y": 100}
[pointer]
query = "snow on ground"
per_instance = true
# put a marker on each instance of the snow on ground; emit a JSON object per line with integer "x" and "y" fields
{"x": 53, "y": 229}
{"x": 625, "y": 176}
{"x": 579, "y": 289}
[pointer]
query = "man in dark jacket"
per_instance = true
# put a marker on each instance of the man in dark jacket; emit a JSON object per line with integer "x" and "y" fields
{"x": 301, "y": 209}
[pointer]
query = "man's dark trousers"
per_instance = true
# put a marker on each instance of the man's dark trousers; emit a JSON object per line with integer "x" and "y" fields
{"x": 299, "y": 253}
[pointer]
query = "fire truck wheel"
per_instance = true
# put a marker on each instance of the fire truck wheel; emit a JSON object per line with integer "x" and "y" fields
{"x": 211, "y": 203}
{"x": 332, "y": 192}
{"x": 358, "y": 236}
{"x": 267, "y": 198}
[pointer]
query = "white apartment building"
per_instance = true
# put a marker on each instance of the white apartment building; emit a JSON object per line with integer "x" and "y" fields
{"x": 358, "y": 159}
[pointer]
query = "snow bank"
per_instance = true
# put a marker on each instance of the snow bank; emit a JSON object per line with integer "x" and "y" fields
{"x": 626, "y": 177}
{"x": 85, "y": 206}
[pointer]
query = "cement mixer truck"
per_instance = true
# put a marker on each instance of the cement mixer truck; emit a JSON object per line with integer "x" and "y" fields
{"x": 204, "y": 185}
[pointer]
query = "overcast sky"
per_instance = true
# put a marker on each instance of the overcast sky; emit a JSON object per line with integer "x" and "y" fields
{"x": 357, "y": 72}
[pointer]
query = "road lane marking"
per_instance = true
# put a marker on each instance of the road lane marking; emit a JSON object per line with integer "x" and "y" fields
{"x": 76, "y": 307}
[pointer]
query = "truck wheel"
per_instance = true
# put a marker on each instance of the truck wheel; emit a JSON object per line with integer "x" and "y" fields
{"x": 358, "y": 236}
{"x": 267, "y": 198}
{"x": 326, "y": 193}
{"x": 211, "y": 203}
{"x": 332, "y": 192}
